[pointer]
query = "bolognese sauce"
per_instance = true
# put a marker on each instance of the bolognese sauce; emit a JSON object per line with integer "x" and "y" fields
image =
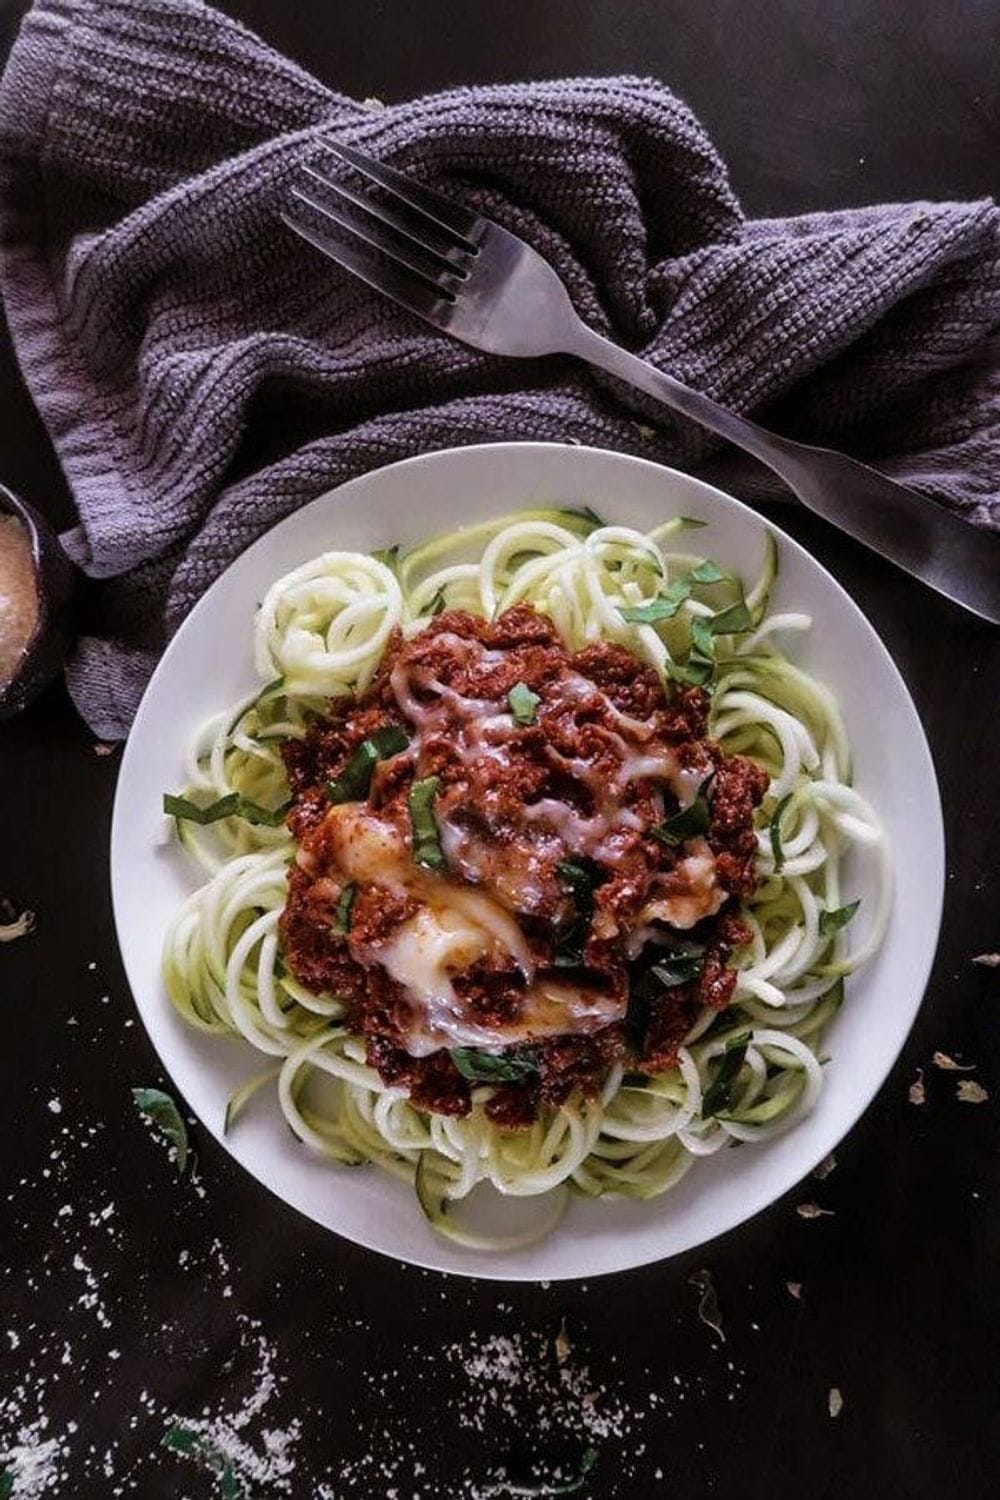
{"x": 519, "y": 859}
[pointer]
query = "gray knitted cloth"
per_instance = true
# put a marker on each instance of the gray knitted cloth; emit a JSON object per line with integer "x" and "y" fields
{"x": 202, "y": 373}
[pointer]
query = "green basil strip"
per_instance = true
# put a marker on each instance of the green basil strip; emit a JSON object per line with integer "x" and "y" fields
{"x": 494, "y": 1067}
{"x": 702, "y": 638}
{"x": 354, "y": 780}
{"x": 342, "y": 916}
{"x": 387, "y": 556}
{"x": 162, "y": 1111}
{"x": 580, "y": 879}
{"x": 677, "y": 968}
{"x": 690, "y": 821}
{"x": 718, "y": 1096}
{"x": 663, "y": 607}
{"x": 576, "y": 876}
{"x": 708, "y": 572}
{"x": 774, "y": 829}
{"x": 732, "y": 621}
{"x": 695, "y": 672}
{"x": 182, "y": 1440}
{"x": 833, "y": 921}
{"x": 6, "y": 1484}
{"x": 437, "y": 604}
{"x": 523, "y": 703}
{"x": 233, "y": 805}
{"x": 427, "y": 849}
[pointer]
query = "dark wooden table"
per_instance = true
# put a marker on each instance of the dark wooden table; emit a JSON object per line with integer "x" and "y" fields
{"x": 130, "y": 1296}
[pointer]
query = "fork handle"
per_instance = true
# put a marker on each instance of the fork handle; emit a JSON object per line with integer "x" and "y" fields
{"x": 958, "y": 560}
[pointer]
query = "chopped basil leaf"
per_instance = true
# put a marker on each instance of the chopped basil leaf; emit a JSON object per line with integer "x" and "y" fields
{"x": 354, "y": 780}
{"x": 580, "y": 877}
{"x": 575, "y": 875}
{"x": 437, "y": 603}
{"x": 163, "y": 1112}
{"x": 233, "y": 805}
{"x": 833, "y": 921}
{"x": 390, "y": 741}
{"x": 663, "y": 607}
{"x": 690, "y": 523}
{"x": 677, "y": 968}
{"x": 342, "y": 916}
{"x": 523, "y": 703}
{"x": 719, "y": 1094}
{"x": 279, "y": 967}
{"x": 732, "y": 621}
{"x": 708, "y": 572}
{"x": 694, "y": 672}
{"x": 774, "y": 829}
{"x": 427, "y": 849}
{"x": 182, "y": 1440}
{"x": 386, "y": 555}
{"x": 702, "y": 638}
{"x": 494, "y": 1067}
{"x": 690, "y": 821}
{"x": 229, "y": 1488}
{"x": 6, "y": 1484}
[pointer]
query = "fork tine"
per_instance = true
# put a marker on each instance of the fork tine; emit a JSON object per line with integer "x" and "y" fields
{"x": 388, "y": 277}
{"x": 461, "y": 222}
{"x": 400, "y": 248}
{"x": 434, "y": 247}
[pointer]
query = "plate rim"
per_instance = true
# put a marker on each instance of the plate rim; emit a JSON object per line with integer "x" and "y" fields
{"x": 712, "y": 494}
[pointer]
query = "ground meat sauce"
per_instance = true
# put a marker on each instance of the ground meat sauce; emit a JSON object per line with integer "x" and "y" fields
{"x": 549, "y": 825}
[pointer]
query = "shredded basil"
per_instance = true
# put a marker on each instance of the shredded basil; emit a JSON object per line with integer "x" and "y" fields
{"x": 690, "y": 523}
{"x": 427, "y": 849}
{"x": 732, "y": 621}
{"x": 523, "y": 703}
{"x": 694, "y": 672}
{"x": 833, "y": 921}
{"x": 354, "y": 780}
{"x": 6, "y": 1484}
{"x": 341, "y": 923}
{"x": 182, "y": 1440}
{"x": 229, "y": 1488}
{"x": 690, "y": 821}
{"x": 708, "y": 572}
{"x": 494, "y": 1067}
{"x": 718, "y": 1097}
{"x": 677, "y": 968}
{"x": 580, "y": 877}
{"x": 577, "y": 876}
{"x": 666, "y": 604}
{"x": 233, "y": 805}
{"x": 386, "y": 555}
{"x": 437, "y": 604}
{"x": 164, "y": 1114}
{"x": 774, "y": 829}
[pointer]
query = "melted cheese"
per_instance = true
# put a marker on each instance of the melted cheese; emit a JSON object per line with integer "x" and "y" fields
{"x": 687, "y": 893}
{"x": 453, "y": 927}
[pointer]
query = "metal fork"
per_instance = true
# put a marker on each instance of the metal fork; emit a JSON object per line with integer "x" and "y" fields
{"x": 484, "y": 285}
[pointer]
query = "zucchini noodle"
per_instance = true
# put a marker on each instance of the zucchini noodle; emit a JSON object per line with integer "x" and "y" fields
{"x": 321, "y": 632}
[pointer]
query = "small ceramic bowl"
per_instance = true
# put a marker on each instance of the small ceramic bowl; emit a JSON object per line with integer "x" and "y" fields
{"x": 46, "y": 649}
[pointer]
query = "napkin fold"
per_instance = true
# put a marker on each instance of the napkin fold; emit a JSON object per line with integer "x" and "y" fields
{"x": 202, "y": 373}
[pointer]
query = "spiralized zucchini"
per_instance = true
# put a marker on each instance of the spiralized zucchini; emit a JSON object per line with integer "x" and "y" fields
{"x": 321, "y": 632}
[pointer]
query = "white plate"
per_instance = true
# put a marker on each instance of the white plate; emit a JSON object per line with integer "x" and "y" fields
{"x": 208, "y": 665}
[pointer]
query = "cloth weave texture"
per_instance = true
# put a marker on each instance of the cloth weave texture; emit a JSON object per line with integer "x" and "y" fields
{"x": 202, "y": 373}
